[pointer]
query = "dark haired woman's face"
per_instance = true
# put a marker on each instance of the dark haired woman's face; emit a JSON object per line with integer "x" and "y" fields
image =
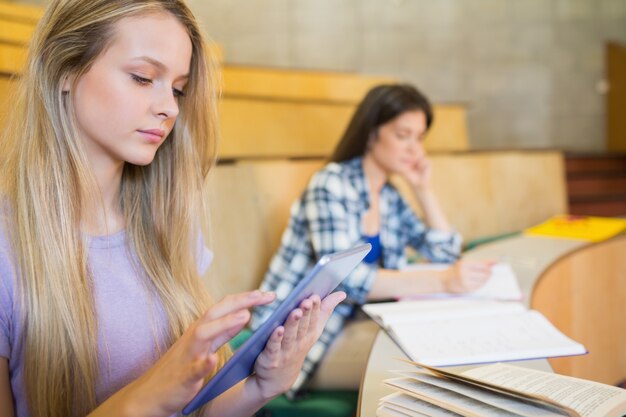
{"x": 398, "y": 144}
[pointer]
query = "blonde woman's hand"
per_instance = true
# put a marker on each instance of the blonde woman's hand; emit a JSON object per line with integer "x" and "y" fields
{"x": 179, "y": 374}
{"x": 278, "y": 366}
{"x": 465, "y": 276}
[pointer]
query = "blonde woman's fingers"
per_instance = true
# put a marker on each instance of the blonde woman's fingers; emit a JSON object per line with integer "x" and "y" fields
{"x": 201, "y": 368}
{"x": 213, "y": 334}
{"x": 291, "y": 329}
{"x": 233, "y": 303}
{"x": 274, "y": 343}
{"x": 303, "y": 327}
{"x": 315, "y": 312}
{"x": 330, "y": 302}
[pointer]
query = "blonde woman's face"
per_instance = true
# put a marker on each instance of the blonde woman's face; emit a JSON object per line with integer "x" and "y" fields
{"x": 398, "y": 144}
{"x": 127, "y": 103}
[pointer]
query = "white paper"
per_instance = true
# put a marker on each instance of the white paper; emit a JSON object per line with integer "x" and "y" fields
{"x": 502, "y": 284}
{"x": 426, "y": 310}
{"x": 483, "y": 339}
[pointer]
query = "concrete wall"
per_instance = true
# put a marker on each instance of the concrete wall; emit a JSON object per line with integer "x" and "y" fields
{"x": 531, "y": 71}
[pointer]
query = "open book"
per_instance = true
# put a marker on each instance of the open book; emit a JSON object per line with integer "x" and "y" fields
{"x": 461, "y": 332}
{"x": 502, "y": 284}
{"x": 498, "y": 390}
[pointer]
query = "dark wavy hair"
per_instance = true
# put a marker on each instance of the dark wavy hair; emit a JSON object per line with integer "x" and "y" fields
{"x": 381, "y": 104}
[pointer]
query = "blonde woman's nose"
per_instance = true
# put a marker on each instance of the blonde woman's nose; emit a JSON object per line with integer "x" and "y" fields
{"x": 166, "y": 104}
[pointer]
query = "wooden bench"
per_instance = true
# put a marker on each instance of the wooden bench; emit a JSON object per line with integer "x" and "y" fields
{"x": 17, "y": 23}
{"x": 270, "y": 113}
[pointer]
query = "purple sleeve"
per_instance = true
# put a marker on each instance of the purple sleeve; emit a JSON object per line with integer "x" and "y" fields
{"x": 6, "y": 303}
{"x": 204, "y": 256}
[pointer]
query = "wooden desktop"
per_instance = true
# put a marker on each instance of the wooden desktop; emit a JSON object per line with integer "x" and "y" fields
{"x": 555, "y": 278}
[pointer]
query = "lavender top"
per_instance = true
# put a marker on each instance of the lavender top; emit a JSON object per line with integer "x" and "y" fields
{"x": 130, "y": 325}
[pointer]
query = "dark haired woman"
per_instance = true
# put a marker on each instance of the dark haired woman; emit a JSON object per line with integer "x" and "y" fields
{"x": 351, "y": 200}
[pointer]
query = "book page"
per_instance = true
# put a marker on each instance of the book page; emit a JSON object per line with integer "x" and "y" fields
{"x": 502, "y": 285}
{"x": 401, "y": 410}
{"x": 449, "y": 400}
{"x": 474, "y": 340}
{"x": 499, "y": 400}
{"x": 387, "y": 411}
{"x": 588, "y": 398}
{"x": 426, "y": 310}
{"x": 415, "y": 404}
{"x": 526, "y": 397}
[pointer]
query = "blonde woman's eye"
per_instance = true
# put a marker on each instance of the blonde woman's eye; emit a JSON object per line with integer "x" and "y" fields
{"x": 141, "y": 80}
{"x": 178, "y": 93}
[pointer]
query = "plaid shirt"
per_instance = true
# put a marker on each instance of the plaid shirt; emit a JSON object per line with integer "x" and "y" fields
{"x": 326, "y": 219}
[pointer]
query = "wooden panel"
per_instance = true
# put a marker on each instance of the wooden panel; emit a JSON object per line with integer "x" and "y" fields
{"x": 268, "y": 128}
{"x": 449, "y": 129}
{"x": 12, "y": 58}
{"x": 491, "y": 193}
{"x": 20, "y": 12}
{"x": 280, "y": 129}
{"x": 584, "y": 295}
{"x": 15, "y": 32}
{"x": 599, "y": 185}
{"x": 6, "y": 88}
{"x": 616, "y": 97}
{"x": 580, "y": 164}
{"x": 598, "y": 207}
{"x": 249, "y": 208}
{"x": 291, "y": 113}
{"x": 298, "y": 85}
{"x": 482, "y": 194}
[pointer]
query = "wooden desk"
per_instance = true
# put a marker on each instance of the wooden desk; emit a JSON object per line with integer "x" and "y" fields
{"x": 537, "y": 262}
{"x": 581, "y": 288}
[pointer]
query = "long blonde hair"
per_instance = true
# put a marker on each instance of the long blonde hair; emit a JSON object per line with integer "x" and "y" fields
{"x": 47, "y": 180}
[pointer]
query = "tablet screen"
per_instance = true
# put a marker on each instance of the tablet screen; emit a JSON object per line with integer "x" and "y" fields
{"x": 323, "y": 278}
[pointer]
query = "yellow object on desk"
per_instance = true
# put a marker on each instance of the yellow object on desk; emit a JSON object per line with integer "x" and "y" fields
{"x": 593, "y": 229}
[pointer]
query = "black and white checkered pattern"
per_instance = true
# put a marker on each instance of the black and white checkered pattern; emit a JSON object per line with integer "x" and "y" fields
{"x": 327, "y": 219}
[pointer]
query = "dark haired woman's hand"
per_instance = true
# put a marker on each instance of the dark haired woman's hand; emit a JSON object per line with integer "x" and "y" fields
{"x": 465, "y": 276}
{"x": 418, "y": 174}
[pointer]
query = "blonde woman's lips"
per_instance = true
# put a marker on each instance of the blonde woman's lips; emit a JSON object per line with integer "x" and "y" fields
{"x": 152, "y": 135}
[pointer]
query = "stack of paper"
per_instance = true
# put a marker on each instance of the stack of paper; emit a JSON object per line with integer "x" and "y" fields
{"x": 498, "y": 390}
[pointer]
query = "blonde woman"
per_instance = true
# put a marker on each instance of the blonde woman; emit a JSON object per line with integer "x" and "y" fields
{"x": 102, "y": 310}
